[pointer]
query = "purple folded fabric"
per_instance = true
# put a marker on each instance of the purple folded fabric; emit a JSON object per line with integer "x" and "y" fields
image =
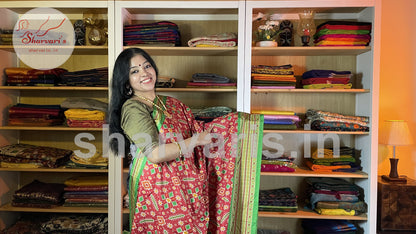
{"x": 279, "y": 121}
{"x": 276, "y": 117}
{"x": 276, "y": 168}
{"x": 273, "y": 87}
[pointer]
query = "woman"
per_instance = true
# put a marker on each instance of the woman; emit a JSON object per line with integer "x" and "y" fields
{"x": 179, "y": 182}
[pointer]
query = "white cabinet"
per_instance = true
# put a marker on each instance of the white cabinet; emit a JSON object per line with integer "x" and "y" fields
{"x": 362, "y": 99}
{"x": 82, "y": 58}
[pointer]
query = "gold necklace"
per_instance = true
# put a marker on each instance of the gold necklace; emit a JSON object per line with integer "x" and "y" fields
{"x": 164, "y": 109}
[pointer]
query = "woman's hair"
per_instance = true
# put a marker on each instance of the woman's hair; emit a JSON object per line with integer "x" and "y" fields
{"x": 121, "y": 91}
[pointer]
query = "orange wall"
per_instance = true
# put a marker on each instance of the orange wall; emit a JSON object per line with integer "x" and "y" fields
{"x": 398, "y": 79}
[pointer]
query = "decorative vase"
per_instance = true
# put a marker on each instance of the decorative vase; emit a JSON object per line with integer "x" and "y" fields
{"x": 266, "y": 44}
{"x": 306, "y": 27}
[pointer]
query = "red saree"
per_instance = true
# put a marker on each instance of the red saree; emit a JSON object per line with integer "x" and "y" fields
{"x": 200, "y": 192}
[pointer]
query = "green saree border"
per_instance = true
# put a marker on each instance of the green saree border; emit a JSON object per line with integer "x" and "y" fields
{"x": 246, "y": 181}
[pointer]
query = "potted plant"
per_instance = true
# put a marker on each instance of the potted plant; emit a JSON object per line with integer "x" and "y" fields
{"x": 266, "y": 33}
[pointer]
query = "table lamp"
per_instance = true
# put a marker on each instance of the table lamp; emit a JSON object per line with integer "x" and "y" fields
{"x": 396, "y": 133}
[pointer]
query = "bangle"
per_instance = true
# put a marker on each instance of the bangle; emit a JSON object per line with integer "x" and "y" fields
{"x": 180, "y": 149}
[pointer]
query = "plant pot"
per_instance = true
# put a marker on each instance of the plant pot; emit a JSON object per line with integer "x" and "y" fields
{"x": 266, "y": 44}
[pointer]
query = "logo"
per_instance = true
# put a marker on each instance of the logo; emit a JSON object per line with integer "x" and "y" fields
{"x": 43, "y": 38}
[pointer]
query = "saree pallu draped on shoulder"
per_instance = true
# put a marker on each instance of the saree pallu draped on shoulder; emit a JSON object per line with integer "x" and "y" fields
{"x": 211, "y": 190}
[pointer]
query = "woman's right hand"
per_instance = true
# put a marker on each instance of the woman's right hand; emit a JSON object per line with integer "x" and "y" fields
{"x": 204, "y": 138}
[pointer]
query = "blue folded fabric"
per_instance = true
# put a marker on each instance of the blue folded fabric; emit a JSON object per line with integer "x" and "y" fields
{"x": 209, "y": 78}
{"x": 323, "y": 73}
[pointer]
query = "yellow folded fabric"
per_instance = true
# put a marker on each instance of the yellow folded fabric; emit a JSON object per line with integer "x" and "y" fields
{"x": 20, "y": 165}
{"x": 91, "y": 180}
{"x": 97, "y": 160}
{"x": 272, "y": 112}
{"x": 328, "y": 86}
{"x": 335, "y": 212}
{"x": 84, "y": 114}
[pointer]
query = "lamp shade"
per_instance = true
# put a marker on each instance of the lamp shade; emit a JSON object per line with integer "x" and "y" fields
{"x": 396, "y": 132}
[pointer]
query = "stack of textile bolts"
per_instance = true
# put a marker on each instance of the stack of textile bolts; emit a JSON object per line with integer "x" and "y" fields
{"x": 86, "y": 191}
{"x": 278, "y": 200}
{"x": 324, "y": 160}
{"x": 279, "y": 120}
{"x": 35, "y": 115}
{"x": 317, "y": 226}
{"x": 278, "y": 164}
{"x": 330, "y": 121}
{"x": 272, "y": 77}
{"x": 334, "y": 196}
{"x": 84, "y": 112}
{"x": 20, "y": 76}
{"x": 343, "y": 33}
{"x": 162, "y": 33}
{"x": 210, "y": 80}
{"x": 326, "y": 79}
{"x": 227, "y": 39}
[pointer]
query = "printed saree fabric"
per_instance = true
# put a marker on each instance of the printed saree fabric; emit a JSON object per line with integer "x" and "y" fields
{"x": 202, "y": 191}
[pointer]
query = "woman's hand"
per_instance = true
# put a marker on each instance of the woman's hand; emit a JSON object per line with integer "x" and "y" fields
{"x": 204, "y": 138}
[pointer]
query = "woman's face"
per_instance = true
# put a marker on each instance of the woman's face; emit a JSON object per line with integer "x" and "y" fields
{"x": 142, "y": 75}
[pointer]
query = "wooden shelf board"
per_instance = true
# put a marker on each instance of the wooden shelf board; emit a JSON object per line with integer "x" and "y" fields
{"x": 301, "y": 131}
{"x": 304, "y": 172}
{"x": 307, "y": 214}
{"x": 190, "y": 51}
{"x": 59, "y": 169}
{"x": 52, "y": 88}
{"x": 205, "y": 90}
{"x": 78, "y": 50}
{"x": 310, "y": 90}
{"x": 309, "y": 50}
{"x": 51, "y": 128}
{"x": 59, "y": 209}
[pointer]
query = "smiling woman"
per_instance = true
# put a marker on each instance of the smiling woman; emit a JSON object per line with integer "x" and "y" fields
{"x": 185, "y": 175}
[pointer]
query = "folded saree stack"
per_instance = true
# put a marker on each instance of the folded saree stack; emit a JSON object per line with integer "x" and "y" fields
{"x": 343, "y": 33}
{"x": 6, "y": 36}
{"x": 19, "y": 76}
{"x": 97, "y": 161}
{"x": 324, "y": 160}
{"x": 59, "y": 223}
{"x": 162, "y": 33}
{"x": 278, "y": 164}
{"x": 91, "y": 191}
{"x": 35, "y": 115}
{"x": 326, "y": 79}
{"x": 334, "y": 196}
{"x": 227, "y": 39}
{"x": 97, "y": 77}
{"x": 272, "y": 77}
{"x": 279, "y": 120}
{"x": 330, "y": 121}
{"x": 39, "y": 194}
{"x": 278, "y": 200}
{"x": 32, "y": 156}
{"x": 316, "y": 226}
{"x": 210, "y": 80}
{"x": 84, "y": 112}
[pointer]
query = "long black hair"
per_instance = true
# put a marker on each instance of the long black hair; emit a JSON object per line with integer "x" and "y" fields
{"x": 121, "y": 91}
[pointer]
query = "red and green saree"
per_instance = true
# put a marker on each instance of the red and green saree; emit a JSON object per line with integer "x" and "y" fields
{"x": 215, "y": 192}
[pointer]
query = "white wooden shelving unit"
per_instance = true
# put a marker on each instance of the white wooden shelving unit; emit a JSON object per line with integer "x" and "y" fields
{"x": 83, "y": 57}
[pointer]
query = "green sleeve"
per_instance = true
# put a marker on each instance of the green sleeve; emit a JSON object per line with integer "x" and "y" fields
{"x": 136, "y": 118}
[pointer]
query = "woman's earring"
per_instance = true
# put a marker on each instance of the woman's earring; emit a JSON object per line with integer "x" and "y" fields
{"x": 130, "y": 92}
